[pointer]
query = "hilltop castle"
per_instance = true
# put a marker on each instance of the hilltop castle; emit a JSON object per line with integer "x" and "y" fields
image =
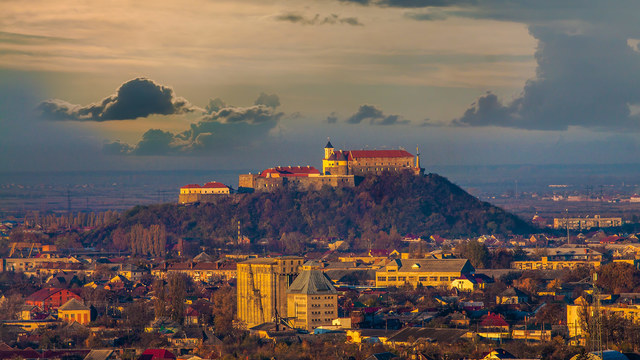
{"x": 363, "y": 162}
{"x": 339, "y": 168}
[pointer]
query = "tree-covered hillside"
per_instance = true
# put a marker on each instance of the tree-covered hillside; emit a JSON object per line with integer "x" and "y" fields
{"x": 377, "y": 211}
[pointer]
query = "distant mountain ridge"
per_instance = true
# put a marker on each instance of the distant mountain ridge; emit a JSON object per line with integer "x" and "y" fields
{"x": 378, "y": 210}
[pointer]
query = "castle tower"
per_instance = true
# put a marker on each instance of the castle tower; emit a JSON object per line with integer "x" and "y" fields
{"x": 417, "y": 157}
{"x": 328, "y": 149}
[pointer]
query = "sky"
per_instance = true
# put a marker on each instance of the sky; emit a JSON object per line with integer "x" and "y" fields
{"x": 244, "y": 84}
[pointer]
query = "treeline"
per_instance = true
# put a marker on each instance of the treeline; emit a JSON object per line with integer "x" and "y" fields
{"x": 140, "y": 240}
{"x": 52, "y": 222}
{"x": 375, "y": 213}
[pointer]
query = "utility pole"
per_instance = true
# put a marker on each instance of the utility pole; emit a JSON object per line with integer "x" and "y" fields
{"x": 567, "y": 221}
{"x": 69, "y": 207}
{"x": 596, "y": 340}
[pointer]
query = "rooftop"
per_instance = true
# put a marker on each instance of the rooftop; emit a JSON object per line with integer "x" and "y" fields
{"x": 311, "y": 282}
{"x": 73, "y": 305}
{"x": 433, "y": 265}
{"x": 290, "y": 171}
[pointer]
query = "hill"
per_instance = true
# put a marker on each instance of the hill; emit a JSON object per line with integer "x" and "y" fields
{"x": 375, "y": 212}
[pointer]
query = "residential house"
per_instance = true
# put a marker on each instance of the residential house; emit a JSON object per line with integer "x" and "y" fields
{"x": 74, "y": 310}
{"x": 157, "y": 354}
{"x": 512, "y": 296}
{"x": 131, "y": 272}
{"x": 493, "y": 326}
{"x": 50, "y": 298}
{"x": 469, "y": 282}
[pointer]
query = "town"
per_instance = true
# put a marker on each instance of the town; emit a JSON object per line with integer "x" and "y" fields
{"x": 109, "y": 286}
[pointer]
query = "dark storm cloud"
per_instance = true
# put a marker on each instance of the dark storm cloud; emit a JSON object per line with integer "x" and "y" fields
{"x": 332, "y": 19}
{"x": 587, "y": 80}
{"x": 224, "y": 127}
{"x": 134, "y": 99}
{"x": 410, "y": 3}
{"x": 429, "y": 16}
{"x": 272, "y": 101}
{"x": 374, "y": 116}
{"x": 587, "y": 73}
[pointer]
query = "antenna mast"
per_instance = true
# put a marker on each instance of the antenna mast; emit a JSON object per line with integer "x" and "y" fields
{"x": 567, "y": 218}
{"x": 596, "y": 333}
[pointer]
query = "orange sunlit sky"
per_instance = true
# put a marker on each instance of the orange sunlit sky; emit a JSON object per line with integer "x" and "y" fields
{"x": 213, "y": 84}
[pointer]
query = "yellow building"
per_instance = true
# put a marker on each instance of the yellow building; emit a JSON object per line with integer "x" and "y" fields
{"x": 362, "y": 162}
{"x": 586, "y": 222}
{"x": 312, "y": 300}
{"x": 74, "y": 310}
{"x": 574, "y": 314}
{"x": 546, "y": 264}
{"x": 262, "y": 285}
{"x": 131, "y": 272}
{"x": 195, "y": 193}
{"x": 428, "y": 272}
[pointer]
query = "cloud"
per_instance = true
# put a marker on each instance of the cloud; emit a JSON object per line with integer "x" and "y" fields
{"x": 223, "y": 127}
{"x": 252, "y": 114}
{"x": 375, "y": 116}
{"x": 332, "y": 19}
{"x": 360, "y": 2}
{"x": 116, "y": 148}
{"x": 428, "y": 16}
{"x": 332, "y": 118}
{"x": 272, "y": 101}
{"x": 587, "y": 79}
{"x": 411, "y": 3}
{"x": 134, "y": 99}
{"x": 587, "y": 69}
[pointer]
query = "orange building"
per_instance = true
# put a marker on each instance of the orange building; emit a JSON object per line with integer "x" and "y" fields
{"x": 50, "y": 298}
{"x": 74, "y": 310}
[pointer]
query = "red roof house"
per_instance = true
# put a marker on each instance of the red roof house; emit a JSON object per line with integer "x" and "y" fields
{"x": 157, "y": 354}
{"x": 51, "y": 298}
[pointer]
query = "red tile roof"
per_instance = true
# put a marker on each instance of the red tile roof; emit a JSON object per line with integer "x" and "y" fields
{"x": 493, "y": 320}
{"x": 43, "y": 294}
{"x": 291, "y": 171}
{"x": 379, "y": 154}
{"x": 214, "y": 184}
{"x": 159, "y": 354}
{"x": 351, "y": 155}
{"x": 191, "y": 186}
